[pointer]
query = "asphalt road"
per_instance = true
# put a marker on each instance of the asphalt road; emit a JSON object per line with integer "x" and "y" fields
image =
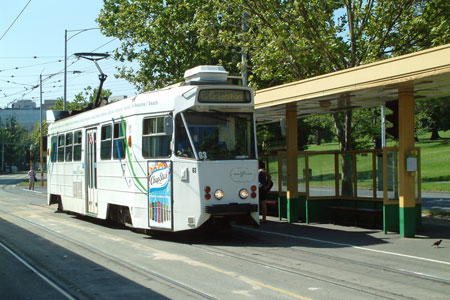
{"x": 81, "y": 258}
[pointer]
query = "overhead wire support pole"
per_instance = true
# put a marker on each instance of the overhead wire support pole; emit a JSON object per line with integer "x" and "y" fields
{"x": 41, "y": 139}
{"x": 383, "y": 127}
{"x": 78, "y": 31}
{"x": 65, "y": 70}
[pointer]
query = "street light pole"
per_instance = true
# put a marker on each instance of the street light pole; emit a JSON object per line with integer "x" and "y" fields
{"x": 78, "y": 31}
{"x": 40, "y": 141}
{"x": 65, "y": 70}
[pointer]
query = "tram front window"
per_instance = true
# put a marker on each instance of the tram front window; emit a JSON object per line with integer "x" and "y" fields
{"x": 216, "y": 135}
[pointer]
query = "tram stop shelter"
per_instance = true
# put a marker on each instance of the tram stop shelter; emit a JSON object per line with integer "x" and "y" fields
{"x": 385, "y": 183}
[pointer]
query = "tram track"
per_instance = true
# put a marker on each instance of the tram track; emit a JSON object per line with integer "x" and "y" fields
{"x": 312, "y": 275}
{"x": 261, "y": 259}
{"x": 382, "y": 268}
{"x": 370, "y": 291}
{"x": 268, "y": 259}
{"x": 62, "y": 291}
{"x": 162, "y": 279}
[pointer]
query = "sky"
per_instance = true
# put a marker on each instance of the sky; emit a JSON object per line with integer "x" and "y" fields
{"x": 34, "y": 45}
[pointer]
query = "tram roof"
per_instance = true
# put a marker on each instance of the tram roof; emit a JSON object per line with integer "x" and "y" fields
{"x": 370, "y": 85}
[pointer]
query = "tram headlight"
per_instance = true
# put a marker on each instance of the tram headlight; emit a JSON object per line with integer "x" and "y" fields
{"x": 243, "y": 194}
{"x": 218, "y": 194}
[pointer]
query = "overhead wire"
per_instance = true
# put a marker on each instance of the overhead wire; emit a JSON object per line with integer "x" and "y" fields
{"x": 29, "y": 57}
{"x": 14, "y": 20}
{"x": 29, "y": 66}
{"x": 33, "y": 87}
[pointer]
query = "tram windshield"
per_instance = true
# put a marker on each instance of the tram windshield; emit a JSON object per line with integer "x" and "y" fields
{"x": 215, "y": 135}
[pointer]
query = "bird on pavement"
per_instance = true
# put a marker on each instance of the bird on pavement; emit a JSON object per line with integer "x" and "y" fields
{"x": 437, "y": 243}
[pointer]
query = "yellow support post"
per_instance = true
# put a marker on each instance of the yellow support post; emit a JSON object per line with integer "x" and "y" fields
{"x": 293, "y": 205}
{"x": 407, "y": 199}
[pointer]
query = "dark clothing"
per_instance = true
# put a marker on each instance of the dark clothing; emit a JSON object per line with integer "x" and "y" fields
{"x": 265, "y": 184}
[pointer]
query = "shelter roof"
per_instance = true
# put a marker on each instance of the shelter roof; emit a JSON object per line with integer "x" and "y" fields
{"x": 427, "y": 72}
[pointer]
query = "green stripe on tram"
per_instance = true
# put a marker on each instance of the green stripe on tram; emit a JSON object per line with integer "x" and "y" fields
{"x": 129, "y": 159}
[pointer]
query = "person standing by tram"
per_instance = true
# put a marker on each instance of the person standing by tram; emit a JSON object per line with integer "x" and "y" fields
{"x": 31, "y": 178}
{"x": 265, "y": 184}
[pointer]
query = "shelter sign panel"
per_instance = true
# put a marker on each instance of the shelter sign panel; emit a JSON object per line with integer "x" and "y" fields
{"x": 160, "y": 204}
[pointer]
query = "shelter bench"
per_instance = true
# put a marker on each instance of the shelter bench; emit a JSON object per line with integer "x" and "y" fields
{"x": 356, "y": 211}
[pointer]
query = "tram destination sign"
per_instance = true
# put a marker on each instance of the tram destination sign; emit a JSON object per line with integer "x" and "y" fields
{"x": 224, "y": 96}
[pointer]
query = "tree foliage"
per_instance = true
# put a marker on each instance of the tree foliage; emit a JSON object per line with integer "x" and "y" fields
{"x": 166, "y": 38}
{"x": 35, "y": 138}
{"x": 82, "y": 99}
{"x": 285, "y": 40}
{"x": 433, "y": 115}
{"x": 16, "y": 142}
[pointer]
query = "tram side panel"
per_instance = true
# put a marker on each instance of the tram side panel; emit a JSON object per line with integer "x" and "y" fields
{"x": 72, "y": 194}
{"x": 123, "y": 181}
{"x": 66, "y": 181}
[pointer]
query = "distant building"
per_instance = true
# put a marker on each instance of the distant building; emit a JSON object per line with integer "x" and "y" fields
{"x": 24, "y": 104}
{"x": 48, "y": 104}
{"x": 25, "y": 113}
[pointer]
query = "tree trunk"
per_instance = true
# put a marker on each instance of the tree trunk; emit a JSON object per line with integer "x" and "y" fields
{"x": 347, "y": 177}
{"x": 343, "y": 131}
{"x": 435, "y": 134}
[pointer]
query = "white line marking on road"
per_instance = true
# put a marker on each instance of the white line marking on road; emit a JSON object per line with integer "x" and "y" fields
{"x": 64, "y": 293}
{"x": 33, "y": 191}
{"x": 352, "y": 246}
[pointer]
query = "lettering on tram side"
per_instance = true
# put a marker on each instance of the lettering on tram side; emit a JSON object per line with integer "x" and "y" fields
{"x": 107, "y": 113}
{"x": 242, "y": 175}
{"x": 160, "y": 194}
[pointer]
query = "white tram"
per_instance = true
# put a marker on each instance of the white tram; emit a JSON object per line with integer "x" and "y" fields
{"x": 170, "y": 159}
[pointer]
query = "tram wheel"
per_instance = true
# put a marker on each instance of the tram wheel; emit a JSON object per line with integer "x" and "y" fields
{"x": 60, "y": 204}
{"x": 119, "y": 214}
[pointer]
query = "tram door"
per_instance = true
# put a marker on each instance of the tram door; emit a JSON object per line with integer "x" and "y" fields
{"x": 91, "y": 171}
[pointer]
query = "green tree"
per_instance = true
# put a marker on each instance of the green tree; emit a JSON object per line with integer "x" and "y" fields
{"x": 164, "y": 37}
{"x": 285, "y": 40}
{"x": 320, "y": 128}
{"x": 17, "y": 141}
{"x": 82, "y": 99}
{"x": 433, "y": 115}
{"x": 35, "y": 137}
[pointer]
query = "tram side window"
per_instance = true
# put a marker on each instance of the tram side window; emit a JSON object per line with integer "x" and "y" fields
{"x": 119, "y": 140}
{"x": 69, "y": 149}
{"x": 61, "y": 148}
{"x": 155, "y": 143}
{"x": 77, "y": 146}
{"x": 53, "y": 149}
{"x": 105, "y": 145}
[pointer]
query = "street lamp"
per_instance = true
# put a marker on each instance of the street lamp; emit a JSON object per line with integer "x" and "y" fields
{"x": 78, "y": 31}
{"x": 41, "y": 158}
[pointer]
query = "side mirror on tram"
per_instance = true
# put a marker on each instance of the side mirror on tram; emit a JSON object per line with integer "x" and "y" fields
{"x": 168, "y": 125}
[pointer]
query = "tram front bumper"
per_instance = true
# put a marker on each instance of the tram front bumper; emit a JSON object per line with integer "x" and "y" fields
{"x": 231, "y": 209}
